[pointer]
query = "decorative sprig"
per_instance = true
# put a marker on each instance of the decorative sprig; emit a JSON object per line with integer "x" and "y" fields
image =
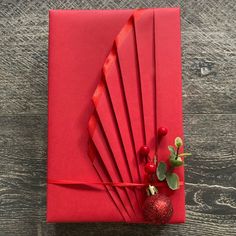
{"x": 175, "y": 160}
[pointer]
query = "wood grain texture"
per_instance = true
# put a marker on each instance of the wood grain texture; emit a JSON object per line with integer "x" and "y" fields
{"x": 209, "y": 85}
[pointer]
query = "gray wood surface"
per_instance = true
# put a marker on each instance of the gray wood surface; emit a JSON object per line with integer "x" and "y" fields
{"x": 209, "y": 96}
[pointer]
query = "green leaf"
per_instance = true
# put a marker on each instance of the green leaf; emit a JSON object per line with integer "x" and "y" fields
{"x": 161, "y": 171}
{"x": 185, "y": 154}
{"x": 172, "y": 181}
{"x": 172, "y": 150}
{"x": 178, "y": 142}
{"x": 176, "y": 162}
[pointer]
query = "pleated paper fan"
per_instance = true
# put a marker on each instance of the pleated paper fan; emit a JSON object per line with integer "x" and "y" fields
{"x": 136, "y": 96}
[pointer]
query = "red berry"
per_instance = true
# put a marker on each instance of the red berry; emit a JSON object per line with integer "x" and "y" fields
{"x": 144, "y": 150}
{"x": 162, "y": 131}
{"x": 150, "y": 168}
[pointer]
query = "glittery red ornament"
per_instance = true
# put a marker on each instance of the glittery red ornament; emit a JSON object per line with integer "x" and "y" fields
{"x": 157, "y": 209}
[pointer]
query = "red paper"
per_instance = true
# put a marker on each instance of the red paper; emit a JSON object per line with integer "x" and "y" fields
{"x": 105, "y": 177}
{"x": 114, "y": 143}
{"x": 120, "y": 113}
{"x": 145, "y": 41}
{"x": 142, "y": 92}
{"x": 78, "y": 46}
{"x": 169, "y": 94}
{"x": 111, "y": 168}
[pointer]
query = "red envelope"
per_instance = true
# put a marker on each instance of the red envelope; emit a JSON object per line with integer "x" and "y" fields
{"x": 144, "y": 98}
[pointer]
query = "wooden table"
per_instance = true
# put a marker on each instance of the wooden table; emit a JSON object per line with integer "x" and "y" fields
{"x": 209, "y": 96}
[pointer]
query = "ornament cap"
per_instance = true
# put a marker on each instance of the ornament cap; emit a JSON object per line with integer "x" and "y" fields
{"x": 151, "y": 190}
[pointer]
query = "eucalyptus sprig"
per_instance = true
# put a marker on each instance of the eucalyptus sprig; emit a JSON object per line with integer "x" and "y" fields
{"x": 175, "y": 160}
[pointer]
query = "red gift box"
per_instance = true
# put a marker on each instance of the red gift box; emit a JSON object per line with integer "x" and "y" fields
{"x": 114, "y": 78}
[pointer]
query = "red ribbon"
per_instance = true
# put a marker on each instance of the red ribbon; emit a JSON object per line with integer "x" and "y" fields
{"x": 113, "y": 184}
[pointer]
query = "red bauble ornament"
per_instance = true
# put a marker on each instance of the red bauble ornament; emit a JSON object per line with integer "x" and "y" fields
{"x": 157, "y": 208}
{"x": 150, "y": 168}
{"x": 162, "y": 131}
{"x": 144, "y": 150}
